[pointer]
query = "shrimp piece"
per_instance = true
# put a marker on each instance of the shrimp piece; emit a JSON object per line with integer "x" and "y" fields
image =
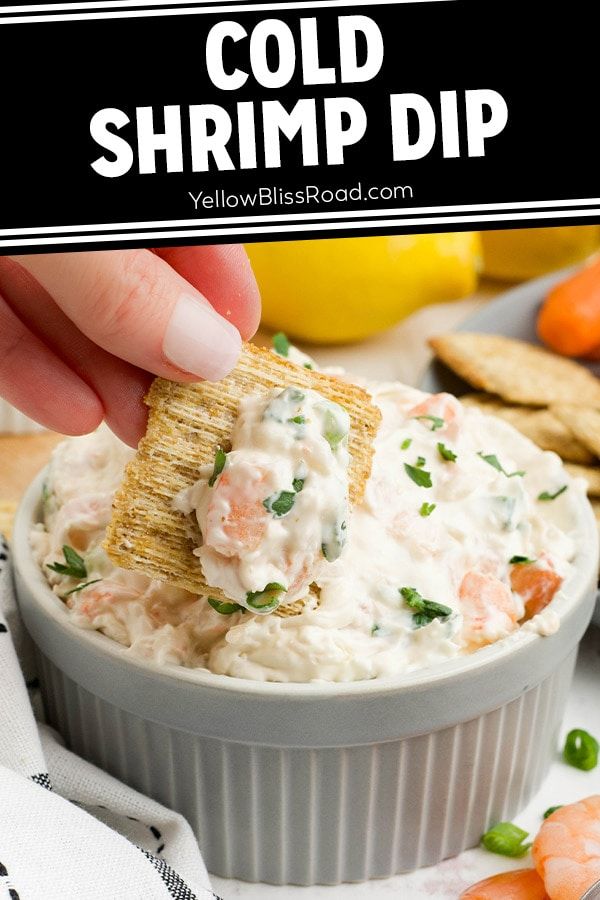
{"x": 236, "y": 519}
{"x": 488, "y": 607}
{"x": 535, "y": 584}
{"x": 521, "y": 884}
{"x": 441, "y": 406}
{"x": 566, "y": 851}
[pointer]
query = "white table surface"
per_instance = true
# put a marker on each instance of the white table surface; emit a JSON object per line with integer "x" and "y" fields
{"x": 401, "y": 354}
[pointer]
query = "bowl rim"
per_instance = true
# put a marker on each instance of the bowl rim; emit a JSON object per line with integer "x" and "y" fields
{"x": 47, "y": 601}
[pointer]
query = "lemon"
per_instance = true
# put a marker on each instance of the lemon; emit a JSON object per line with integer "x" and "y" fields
{"x": 529, "y": 252}
{"x": 333, "y": 291}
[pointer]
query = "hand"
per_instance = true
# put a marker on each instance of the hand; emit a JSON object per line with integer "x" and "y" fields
{"x": 82, "y": 334}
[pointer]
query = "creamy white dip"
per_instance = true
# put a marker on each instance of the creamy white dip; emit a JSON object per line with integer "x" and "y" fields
{"x": 450, "y": 549}
{"x": 273, "y": 511}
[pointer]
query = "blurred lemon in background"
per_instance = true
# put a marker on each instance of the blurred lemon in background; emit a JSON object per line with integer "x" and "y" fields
{"x": 335, "y": 291}
{"x": 528, "y": 252}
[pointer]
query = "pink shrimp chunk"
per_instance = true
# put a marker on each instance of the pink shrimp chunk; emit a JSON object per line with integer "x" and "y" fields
{"x": 537, "y": 585}
{"x": 440, "y": 406}
{"x": 237, "y": 520}
{"x": 521, "y": 884}
{"x": 566, "y": 851}
{"x": 488, "y": 608}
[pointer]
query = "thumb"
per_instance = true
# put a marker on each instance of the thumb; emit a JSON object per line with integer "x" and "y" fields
{"x": 133, "y": 304}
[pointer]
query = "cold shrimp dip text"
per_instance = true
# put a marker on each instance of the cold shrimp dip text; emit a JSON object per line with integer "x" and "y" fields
{"x": 465, "y": 533}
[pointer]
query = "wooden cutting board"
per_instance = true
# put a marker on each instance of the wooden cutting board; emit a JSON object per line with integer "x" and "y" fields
{"x": 21, "y": 457}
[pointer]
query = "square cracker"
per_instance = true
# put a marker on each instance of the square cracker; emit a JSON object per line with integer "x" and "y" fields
{"x": 187, "y": 423}
{"x": 519, "y": 372}
{"x": 540, "y": 425}
{"x": 584, "y": 423}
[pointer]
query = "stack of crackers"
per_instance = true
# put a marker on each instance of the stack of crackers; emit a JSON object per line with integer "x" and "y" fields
{"x": 553, "y": 401}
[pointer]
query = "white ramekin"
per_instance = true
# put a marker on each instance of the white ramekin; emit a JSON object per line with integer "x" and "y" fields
{"x": 316, "y": 783}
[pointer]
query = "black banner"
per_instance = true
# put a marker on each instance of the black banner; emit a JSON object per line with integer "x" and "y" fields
{"x": 128, "y": 124}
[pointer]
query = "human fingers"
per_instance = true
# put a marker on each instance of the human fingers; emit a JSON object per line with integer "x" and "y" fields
{"x": 119, "y": 385}
{"x": 137, "y": 307}
{"x": 40, "y": 384}
{"x": 223, "y": 274}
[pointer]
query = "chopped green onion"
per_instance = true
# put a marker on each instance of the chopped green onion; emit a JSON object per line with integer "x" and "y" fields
{"x": 495, "y": 463}
{"x": 426, "y": 509}
{"x": 73, "y": 566}
{"x": 225, "y": 609}
{"x": 506, "y": 839}
{"x": 546, "y": 495}
{"x": 425, "y": 610}
{"x": 281, "y": 344}
{"x": 406, "y": 443}
{"x": 335, "y": 426}
{"x": 420, "y": 462}
{"x": 419, "y": 476}
{"x": 298, "y": 420}
{"x": 267, "y": 599}
{"x": 298, "y": 484}
{"x": 280, "y": 504}
{"x": 520, "y": 560}
{"x": 552, "y": 809}
{"x": 446, "y": 453}
{"x": 220, "y": 460}
{"x": 436, "y": 422}
{"x": 80, "y": 587}
{"x": 581, "y": 750}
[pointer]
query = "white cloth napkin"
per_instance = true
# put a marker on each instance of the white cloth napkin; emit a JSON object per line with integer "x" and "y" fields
{"x": 67, "y": 829}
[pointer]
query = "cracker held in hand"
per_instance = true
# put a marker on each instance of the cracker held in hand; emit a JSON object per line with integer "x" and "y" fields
{"x": 540, "y": 425}
{"x": 517, "y": 371}
{"x": 187, "y": 423}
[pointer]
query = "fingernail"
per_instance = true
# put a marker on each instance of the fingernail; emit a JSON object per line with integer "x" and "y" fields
{"x": 200, "y": 341}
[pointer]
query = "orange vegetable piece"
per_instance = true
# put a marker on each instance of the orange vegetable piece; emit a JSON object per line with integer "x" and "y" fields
{"x": 537, "y": 586}
{"x": 521, "y": 884}
{"x": 569, "y": 320}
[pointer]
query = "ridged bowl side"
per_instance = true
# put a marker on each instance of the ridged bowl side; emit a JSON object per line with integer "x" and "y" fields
{"x": 325, "y": 815}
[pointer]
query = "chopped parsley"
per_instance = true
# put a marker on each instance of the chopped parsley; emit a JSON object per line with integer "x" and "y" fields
{"x": 267, "y": 599}
{"x": 436, "y": 422}
{"x": 298, "y": 484}
{"x": 225, "y": 609}
{"x": 581, "y": 750}
{"x": 73, "y": 566}
{"x": 446, "y": 453}
{"x": 308, "y": 366}
{"x": 80, "y": 587}
{"x": 425, "y": 610}
{"x": 506, "y": 839}
{"x": 220, "y": 460}
{"x": 495, "y": 463}
{"x": 520, "y": 560}
{"x": 419, "y": 476}
{"x": 546, "y": 495}
{"x": 552, "y": 809}
{"x": 406, "y": 443}
{"x": 420, "y": 462}
{"x": 375, "y": 629}
{"x": 426, "y": 509}
{"x": 280, "y": 504}
{"x": 298, "y": 420}
{"x": 281, "y": 344}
